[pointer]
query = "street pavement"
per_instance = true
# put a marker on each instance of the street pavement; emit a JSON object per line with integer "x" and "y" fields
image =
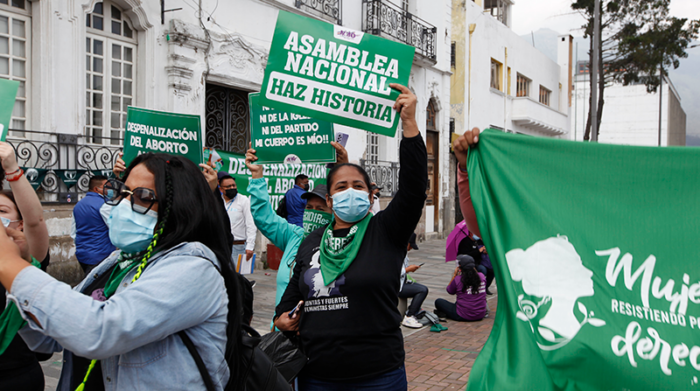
{"x": 434, "y": 361}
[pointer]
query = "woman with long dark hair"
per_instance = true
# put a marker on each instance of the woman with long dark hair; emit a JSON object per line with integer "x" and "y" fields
{"x": 119, "y": 327}
{"x": 347, "y": 275}
{"x": 23, "y": 217}
{"x": 470, "y": 287}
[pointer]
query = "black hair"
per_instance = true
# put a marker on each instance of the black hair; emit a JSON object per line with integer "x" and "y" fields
{"x": 11, "y": 196}
{"x": 226, "y": 177}
{"x": 188, "y": 213}
{"x": 2, "y": 176}
{"x": 95, "y": 181}
{"x": 334, "y": 170}
{"x": 470, "y": 279}
{"x": 300, "y": 178}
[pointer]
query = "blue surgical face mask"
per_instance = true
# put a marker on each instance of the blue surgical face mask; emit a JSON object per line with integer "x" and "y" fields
{"x": 130, "y": 231}
{"x": 110, "y": 194}
{"x": 351, "y": 205}
{"x": 476, "y": 237}
{"x": 5, "y": 221}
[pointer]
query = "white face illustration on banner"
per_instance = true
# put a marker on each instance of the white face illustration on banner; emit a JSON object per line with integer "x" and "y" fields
{"x": 552, "y": 271}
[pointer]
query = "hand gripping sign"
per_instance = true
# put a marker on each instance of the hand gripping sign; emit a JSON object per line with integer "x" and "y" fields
{"x": 335, "y": 74}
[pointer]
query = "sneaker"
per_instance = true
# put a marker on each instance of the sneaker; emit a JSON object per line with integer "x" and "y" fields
{"x": 488, "y": 292}
{"x": 487, "y": 312}
{"x": 252, "y": 283}
{"x": 441, "y": 315}
{"x": 411, "y": 322}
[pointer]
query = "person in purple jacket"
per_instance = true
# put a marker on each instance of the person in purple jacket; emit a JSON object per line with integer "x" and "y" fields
{"x": 470, "y": 289}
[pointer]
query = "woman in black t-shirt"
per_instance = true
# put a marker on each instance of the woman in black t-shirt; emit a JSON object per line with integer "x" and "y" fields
{"x": 22, "y": 215}
{"x": 346, "y": 275}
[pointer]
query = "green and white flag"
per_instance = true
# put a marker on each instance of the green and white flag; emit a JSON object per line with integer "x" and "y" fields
{"x": 336, "y": 74}
{"x": 162, "y": 132}
{"x": 8, "y": 93}
{"x": 35, "y": 176}
{"x": 595, "y": 249}
{"x": 281, "y": 137}
{"x": 279, "y": 177}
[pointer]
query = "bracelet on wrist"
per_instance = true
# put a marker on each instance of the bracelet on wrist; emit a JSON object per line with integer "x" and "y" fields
{"x": 15, "y": 175}
{"x": 13, "y": 172}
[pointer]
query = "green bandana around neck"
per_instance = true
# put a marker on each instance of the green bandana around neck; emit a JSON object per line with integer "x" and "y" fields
{"x": 315, "y": 219}
{"x": 338, "y": 253}
{"x": 11, "y": 320}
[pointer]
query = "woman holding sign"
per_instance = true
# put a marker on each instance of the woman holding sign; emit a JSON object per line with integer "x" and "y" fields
{"x": 124, "y": 327}
{"x": 287, "y": 237}
{"x": 346, "y": 275}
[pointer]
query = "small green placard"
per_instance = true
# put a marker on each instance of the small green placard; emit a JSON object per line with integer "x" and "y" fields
{"x": 162, "y": 132}
{"x": 335, "y": 74}
{"x": 8, "y": 93}
{"x": 281, "y": 137}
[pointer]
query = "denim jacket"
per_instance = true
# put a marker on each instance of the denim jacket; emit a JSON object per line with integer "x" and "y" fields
{"x": 134, "y": 332}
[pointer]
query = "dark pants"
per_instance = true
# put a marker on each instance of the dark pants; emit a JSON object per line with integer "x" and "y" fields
{"x": 486, "y": 272}
{"x": 418, "y": 292}
{"x": 390, "y": 381}
{"x": 450, "y": 309}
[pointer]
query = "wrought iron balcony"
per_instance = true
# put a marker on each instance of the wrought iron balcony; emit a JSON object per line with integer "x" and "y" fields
{"x": 389, "y": 21}
{"x": 384, "y": 174}
{"x": 331, "y": 10}
{"x": 62, "y": 158}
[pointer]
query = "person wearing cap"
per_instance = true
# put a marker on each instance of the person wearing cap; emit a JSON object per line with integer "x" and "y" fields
{"x": 410, "y": 288}
{"x": 238, "y": 210}
{"x": 375, "y": 199}
{"x": 286, "y": 235}
{"x": 470, "y": 287}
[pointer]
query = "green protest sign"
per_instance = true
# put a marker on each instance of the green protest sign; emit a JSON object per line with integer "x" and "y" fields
{"x": 70, "y": 177}
{"x": 335, "y": 74}
{"x": 8, "y": 93}
{"x": 595, "y": 249}
{"x": 281, "y": 137}
{"x": 279, "y": 177}
{"x": 35, "y": 175}
{"x": 162, "y": 132}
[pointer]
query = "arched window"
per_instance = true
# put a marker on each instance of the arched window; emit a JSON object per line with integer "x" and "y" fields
{"x": 15, "y": 40}
{"x": 110, "y": 54}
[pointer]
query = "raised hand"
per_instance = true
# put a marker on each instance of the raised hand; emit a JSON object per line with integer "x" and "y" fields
{"x": 462, "y": 144}
{"x": 255, "y": 169}
{"x": 406, "y": 105}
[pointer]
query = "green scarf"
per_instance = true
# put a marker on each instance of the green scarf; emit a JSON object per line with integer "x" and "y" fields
{"x": 338, "y": 253}
{"x": 122, "y": 269}
{"x": 315, "y": 219}
{"x": 11, "y": 320}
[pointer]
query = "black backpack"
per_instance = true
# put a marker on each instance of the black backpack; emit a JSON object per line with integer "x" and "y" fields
{"x": 282, "y": 208}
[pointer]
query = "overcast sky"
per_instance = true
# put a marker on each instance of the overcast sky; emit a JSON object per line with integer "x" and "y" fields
{"x": 531, "y": 15}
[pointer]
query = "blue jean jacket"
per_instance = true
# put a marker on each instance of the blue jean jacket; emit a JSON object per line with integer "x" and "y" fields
{"x": 133, "y": 333}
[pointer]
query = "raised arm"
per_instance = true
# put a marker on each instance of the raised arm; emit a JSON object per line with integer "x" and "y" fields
{"x": 461, "y": 148}
{"x": 28, "y": 204}
{"x": 404, "y": 211}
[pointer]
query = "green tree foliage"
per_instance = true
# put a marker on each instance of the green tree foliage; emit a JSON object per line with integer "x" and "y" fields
{"x": 638, "y": 40}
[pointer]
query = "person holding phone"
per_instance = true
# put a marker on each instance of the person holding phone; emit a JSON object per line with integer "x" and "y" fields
{"x": 470, "y": 287}
{"x": 346, "y": 273}
{"x": 411, "y": 289}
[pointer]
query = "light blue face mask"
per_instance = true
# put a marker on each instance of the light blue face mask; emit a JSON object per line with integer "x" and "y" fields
{"x": 476, "y": 237}
{"x": 110, "y": 194}
{"x": 351, "y": 205}
{"x": 129, "y": 231}
{"x": 5, "y": 221}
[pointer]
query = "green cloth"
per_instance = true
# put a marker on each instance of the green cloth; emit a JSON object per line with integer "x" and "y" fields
{"x": 11, "y": 320}
{"x": 595, "y": 250}
{"x": 315, "y": 219}
{"x": 122, "y": 269}
{"x": 337, "y": 254}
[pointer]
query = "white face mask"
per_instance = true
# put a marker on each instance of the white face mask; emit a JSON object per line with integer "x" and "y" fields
{"x": 6, "y": 222}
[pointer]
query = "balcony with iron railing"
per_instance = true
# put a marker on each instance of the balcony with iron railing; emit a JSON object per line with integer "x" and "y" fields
{"x": 59, "y": 165}
{"x": 384, "y": 174}
{"x": 330, "y": 10}
{"x": 389, "y": 21}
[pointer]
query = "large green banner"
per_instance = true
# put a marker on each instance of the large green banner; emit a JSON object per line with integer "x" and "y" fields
{"x": 596, "y": 258}
{"x": 279, "y": 177}
{"x": 336, "y": 74}
{"x": 281, "y": 137}
{"x": 162, "y": 132}
{"x": 8, "y": 93}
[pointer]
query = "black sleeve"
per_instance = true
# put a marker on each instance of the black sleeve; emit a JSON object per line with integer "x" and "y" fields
{"x": 227, "y": 221}
{"x": 400, "y": 218}
{"x": 292, "y": 294}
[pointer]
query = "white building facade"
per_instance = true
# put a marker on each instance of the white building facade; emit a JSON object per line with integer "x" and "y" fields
{"x": 630, "y": 113}
{"x": 82, "y": 62}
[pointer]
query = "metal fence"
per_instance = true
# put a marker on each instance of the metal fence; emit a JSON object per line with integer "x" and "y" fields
{"x": 384, "y": 174}
{"x": 385, "y": 19}
{"x": 326, "y": 9}
{"x": 65, "y": 161}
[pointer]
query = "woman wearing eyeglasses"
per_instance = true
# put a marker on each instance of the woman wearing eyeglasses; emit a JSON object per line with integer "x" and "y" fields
{"x": 119, "y": 327}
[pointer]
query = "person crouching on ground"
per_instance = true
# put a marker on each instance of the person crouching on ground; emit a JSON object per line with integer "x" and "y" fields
{"x": 470, "y": 287}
